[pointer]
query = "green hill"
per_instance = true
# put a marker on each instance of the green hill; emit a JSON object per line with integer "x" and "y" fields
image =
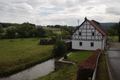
{"x": 107, "y": 25}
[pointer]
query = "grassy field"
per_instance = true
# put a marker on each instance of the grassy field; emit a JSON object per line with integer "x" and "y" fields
{"x": 69, "y": 72}
{"x": 78, "y": 56}
{"x": 17, "y": 54}
{"x": 55, "y": 30}
{"x": 102, "y": 69}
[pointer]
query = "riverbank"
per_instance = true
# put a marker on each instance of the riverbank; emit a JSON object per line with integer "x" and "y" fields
{"x": 19, "y": 54}
{"x": 68, "y": 72}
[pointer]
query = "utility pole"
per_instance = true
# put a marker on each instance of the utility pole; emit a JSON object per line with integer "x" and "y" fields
{"x": 78, "y": 22}
{"x": 119, "y": 31}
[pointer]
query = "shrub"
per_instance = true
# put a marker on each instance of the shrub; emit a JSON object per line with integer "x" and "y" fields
{"x": 59, "y": 48}
{"x": 86, "y": 69}
{"x": 65, "y": 56}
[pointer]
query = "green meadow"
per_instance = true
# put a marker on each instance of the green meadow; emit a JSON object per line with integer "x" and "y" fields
{"x": 17, "y": 54}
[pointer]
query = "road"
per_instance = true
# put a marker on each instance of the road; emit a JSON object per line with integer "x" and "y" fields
{"x": 114, "y": 59}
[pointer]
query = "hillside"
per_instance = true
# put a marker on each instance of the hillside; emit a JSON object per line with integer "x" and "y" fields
{"x": 107, "y": 25}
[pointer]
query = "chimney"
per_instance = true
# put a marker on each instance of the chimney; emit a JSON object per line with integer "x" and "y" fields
{"x": 85, "y": 18}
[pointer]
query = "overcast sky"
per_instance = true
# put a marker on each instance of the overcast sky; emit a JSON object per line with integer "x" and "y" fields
{"x": 62, "y": 12}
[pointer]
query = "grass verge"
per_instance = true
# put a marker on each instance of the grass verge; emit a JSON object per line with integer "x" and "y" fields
{"x": 78, "y": 56}
{"x": 18, "y": 54}
{"x": 102, "y": 73}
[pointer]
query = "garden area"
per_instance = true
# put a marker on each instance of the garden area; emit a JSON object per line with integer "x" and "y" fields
{"x": 18, "y": 54}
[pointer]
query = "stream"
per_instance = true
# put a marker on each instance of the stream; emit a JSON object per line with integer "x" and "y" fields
{"x": 34, "y": 72}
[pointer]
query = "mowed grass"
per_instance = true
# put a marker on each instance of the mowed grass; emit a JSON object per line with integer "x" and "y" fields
{"x": 78, "y": 56}
{"x": 69, "y": 72}
{"x": 17, "y": 54}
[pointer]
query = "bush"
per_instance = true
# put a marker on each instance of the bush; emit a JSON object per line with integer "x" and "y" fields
{"x": 86, "y": 69}
{"x": 59, "y": 48}
{"x": 65, "y": 56}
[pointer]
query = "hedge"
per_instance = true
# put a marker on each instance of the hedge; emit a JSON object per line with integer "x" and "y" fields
{"x": 86, "y": 69}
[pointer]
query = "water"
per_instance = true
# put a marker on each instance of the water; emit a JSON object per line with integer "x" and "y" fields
{"x": 33, "y": 72}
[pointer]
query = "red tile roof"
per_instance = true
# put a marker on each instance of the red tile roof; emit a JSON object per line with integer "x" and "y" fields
{"x": 96, "y": 26}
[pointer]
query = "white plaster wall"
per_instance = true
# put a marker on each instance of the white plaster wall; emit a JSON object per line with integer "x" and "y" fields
{"x": 86, "y": 45}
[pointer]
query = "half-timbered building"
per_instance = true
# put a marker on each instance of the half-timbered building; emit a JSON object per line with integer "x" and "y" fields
{"x": 89, "y": 36}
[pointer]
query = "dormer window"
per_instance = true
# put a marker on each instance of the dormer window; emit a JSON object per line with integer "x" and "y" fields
{"x": 93, "y": 34}
{"x": 80, "y": 33}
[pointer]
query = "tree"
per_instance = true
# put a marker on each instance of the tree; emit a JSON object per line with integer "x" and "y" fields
{"x": 1, "y": 31}
{"x": 16, "y": 25}
{"x": 111, "y": 31}
{"x": 11, "y": 32}
{"x": 40, "y": 32}
{"x": 24, "y": 29}
{"x": 59, "y": 48}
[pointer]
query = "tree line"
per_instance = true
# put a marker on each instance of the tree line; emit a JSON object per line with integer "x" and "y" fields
{"x": 113, "y": 30}
{"x": 27, "y": 30}
{"x": 5, "y": 25}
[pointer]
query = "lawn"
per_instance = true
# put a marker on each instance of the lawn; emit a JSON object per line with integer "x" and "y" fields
{"x": 69, "y": 72}
{"x": 78, "y": 56}
{"x": 17, "y": 54}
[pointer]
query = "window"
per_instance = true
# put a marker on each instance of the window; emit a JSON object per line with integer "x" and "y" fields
{"x": 92, "y": 44}
{"x": 93, "y": 34}
{"x": 80, "y": 33}
{"x": 80, "y": 43}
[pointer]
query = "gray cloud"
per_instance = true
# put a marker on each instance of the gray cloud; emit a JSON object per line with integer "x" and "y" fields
{"x": 89, "y": 8}
{"x": 115, "y": 10}
{"x": 45, "y": 12}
